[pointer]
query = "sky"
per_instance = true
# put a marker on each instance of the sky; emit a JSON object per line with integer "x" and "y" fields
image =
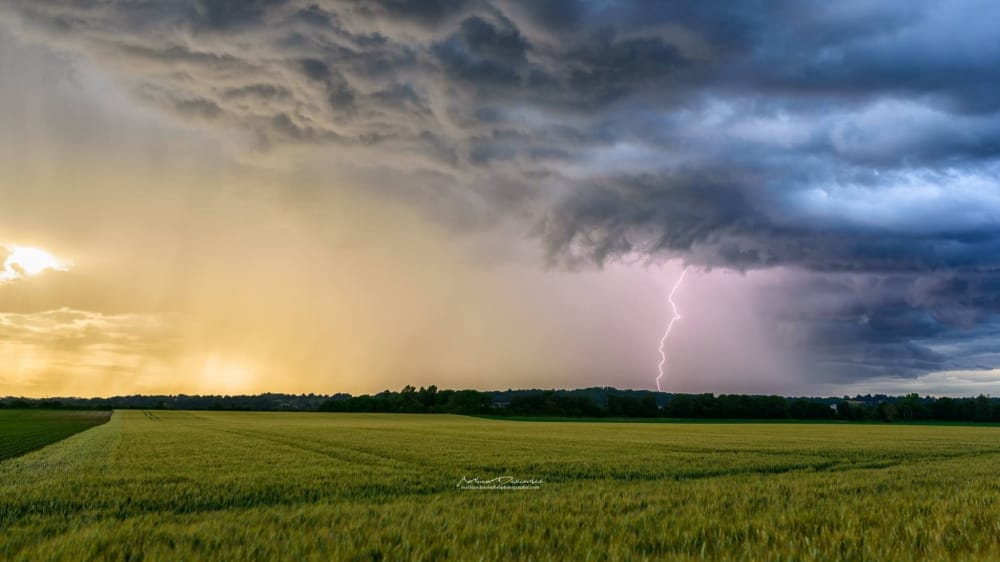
{"x": 207, "y": 196}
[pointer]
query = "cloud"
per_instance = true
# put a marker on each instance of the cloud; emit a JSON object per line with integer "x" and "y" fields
{"x": 67, "y": 328}
{"x": 65, "y": 350}
{"x": 856, "y": 144}
{"x": 21, "y": 262}
{"x": 862, "y": 325}
{"x": 945, "y": 383}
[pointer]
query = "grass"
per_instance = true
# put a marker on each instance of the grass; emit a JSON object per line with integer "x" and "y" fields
{"x": 22, "y": 431}
{"x": 290, "y": 486}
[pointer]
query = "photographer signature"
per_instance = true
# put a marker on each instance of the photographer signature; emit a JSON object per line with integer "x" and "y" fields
{"x": 499, "y": 483}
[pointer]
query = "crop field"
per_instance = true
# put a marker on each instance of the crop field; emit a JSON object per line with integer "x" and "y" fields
{"x": 26, "y": 430}
{"x": 302, "y": 486}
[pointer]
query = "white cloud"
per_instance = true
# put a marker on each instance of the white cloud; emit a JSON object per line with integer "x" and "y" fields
{"x": 25, "y": 261}
{"x": 943, "y": 383}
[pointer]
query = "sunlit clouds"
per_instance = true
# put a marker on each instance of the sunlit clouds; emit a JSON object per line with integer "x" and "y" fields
{"x": 22, "y": 261}
{"x": 73, "y": 351}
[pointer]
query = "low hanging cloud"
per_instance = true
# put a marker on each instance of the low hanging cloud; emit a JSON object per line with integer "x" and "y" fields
{"x": 853, "y": 144}
{"x": 67, "y": 328}
{"x": 65, "y": 350}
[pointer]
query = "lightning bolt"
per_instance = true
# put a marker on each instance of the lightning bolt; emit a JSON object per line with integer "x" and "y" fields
{"x": 670, "y": 325}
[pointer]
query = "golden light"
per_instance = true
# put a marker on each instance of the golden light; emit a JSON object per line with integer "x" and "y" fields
{"x": 24, "y": 261}
{"x": 220, "y": 373}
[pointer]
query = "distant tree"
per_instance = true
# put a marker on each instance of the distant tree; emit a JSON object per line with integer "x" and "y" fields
{"x": 983, "y": 410}
{"x": 621, "y": 406}
{"x": 911, "y": 408}
{"x": 803, "y": 409}
{"x": 844, "y": 410}
{"x": 775, "y": 407}
{"x": 706, "y": 406}
{"x": 647, "y": 407}
{"x": 428, "y": 397}
{"x": 679, "y": 406}
{"x": 946, "y": 409}
{"x": 887, "y": 411}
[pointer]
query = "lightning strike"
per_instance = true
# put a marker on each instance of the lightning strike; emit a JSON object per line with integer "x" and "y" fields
{"x": 670, "y": 325}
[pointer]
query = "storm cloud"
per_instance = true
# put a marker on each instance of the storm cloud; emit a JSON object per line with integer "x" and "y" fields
{"x": 853, "y": 144}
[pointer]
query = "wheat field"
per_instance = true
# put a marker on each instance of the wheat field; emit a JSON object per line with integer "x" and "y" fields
{"x": 304, "y": 486}
{"x": 26, "y": 430}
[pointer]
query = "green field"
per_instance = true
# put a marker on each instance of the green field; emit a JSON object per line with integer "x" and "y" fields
{"x": 26, "y": 430}
{"x": 287, "y": 486}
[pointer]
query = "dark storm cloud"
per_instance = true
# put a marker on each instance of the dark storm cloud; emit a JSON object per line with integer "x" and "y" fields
{"x": 424, "y": 11}
{"x": 223, "y": 14}
{"x": 851, "y": 140}
{"x": 863, "y": 325}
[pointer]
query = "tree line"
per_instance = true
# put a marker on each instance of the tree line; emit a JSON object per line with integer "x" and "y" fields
{"x": 245, "y": 402}
{"x": 612, "y": 403}
{"x": 596, "y": 402}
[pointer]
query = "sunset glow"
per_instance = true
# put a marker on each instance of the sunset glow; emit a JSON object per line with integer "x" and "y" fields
{"x": 22, "y": 261}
